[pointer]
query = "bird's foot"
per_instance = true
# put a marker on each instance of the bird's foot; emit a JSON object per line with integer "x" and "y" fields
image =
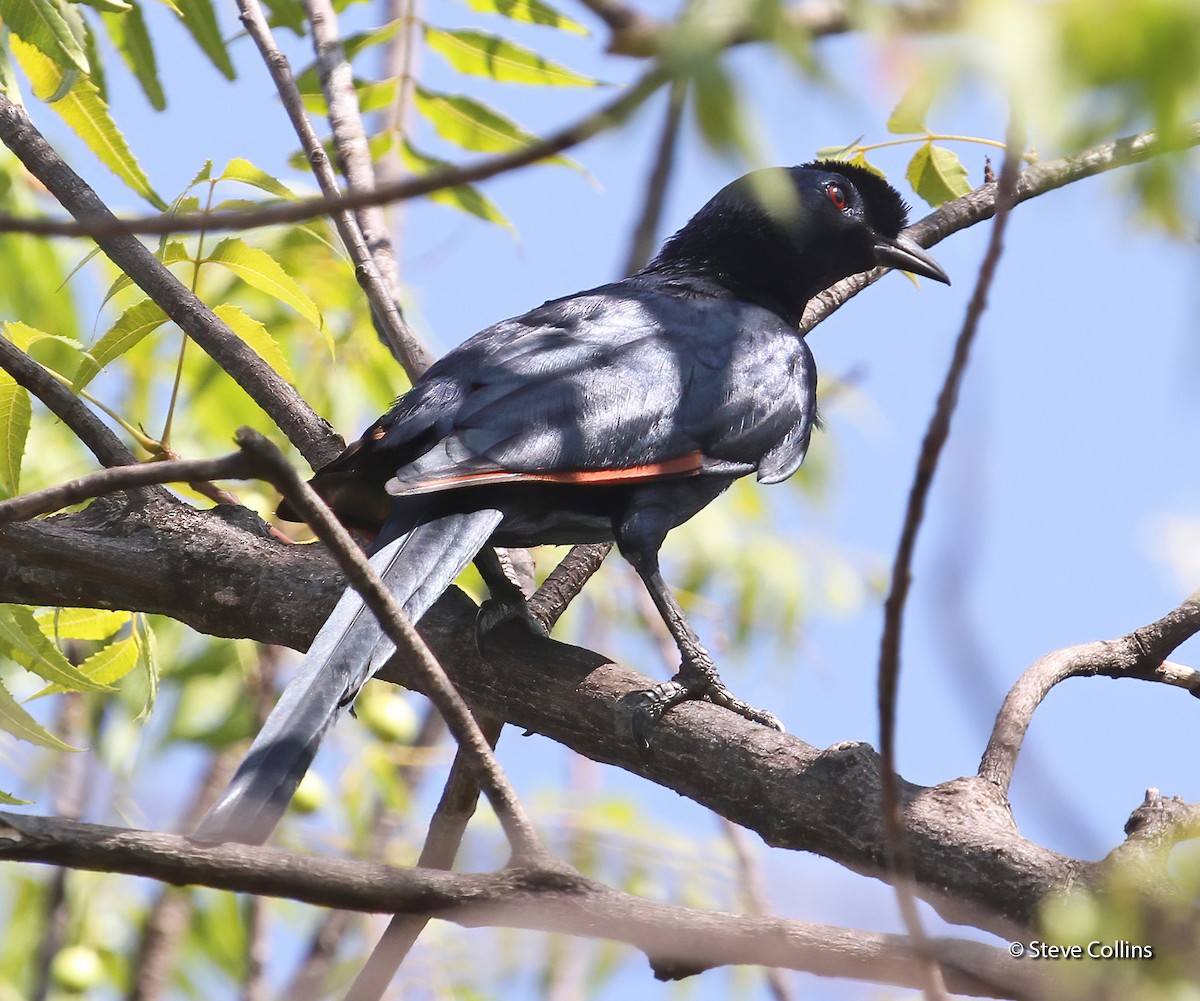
{"x": 496, "y": 613}
{"x": 697, "y": 679}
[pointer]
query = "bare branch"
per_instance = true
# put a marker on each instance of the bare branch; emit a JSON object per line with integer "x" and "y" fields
{"x": 1140, "y": 654}
{"x": 235, "y": 466}
{"x": 309, "y": 433}
{"x": 384, "y": 305}
{"x": 980, "y": 205}
{"x": 606, "y": 117}
{"x": 931, "y": 449}
{"x": 549, "y": 899}
{"x": 446, "y": 829}
{"x": 565, "y": 581}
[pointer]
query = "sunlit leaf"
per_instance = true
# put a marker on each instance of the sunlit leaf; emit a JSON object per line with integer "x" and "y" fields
{"x": 480, "y": 54}
{"x": 81, "y": 623}
{"x": 139, "y": 320}
{"x": 113, "y": 662}
{"x": 258, "y": 268}
{"x": 25, "y": 642}
{"x": 200, "y": 19}
{"x": 937, "y": 175}
{"x": 8, "y": 80}
{"x": 132, "y": 40}
{"x": 373, "y": 95}
{"x": 470, "y": 124}
{"x": 41, "y": 24}
{"x": 15, "y": 415}
{"x": 257, "y": 336}
{"x": 239, "y": 169}
{"x": 466, "y": 197}
{"x": 83, "y": 110}
{"x": 531, "y": 12}
{"x": 908, "y": 116}
{"x": 147, "y": 647}
{"x": 107, "y": 6}
{"x": 19, "y": 723}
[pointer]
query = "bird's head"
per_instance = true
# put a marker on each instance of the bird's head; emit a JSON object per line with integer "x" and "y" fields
{"x": 781, "y": 235}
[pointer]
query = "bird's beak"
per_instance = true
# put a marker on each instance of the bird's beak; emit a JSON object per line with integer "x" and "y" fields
{"x": 905, "y": 254}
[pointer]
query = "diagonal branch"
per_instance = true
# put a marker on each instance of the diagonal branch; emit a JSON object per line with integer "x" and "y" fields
{"x": 404, "y": 344}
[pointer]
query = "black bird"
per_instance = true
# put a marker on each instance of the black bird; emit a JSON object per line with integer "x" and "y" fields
{"x": 612, "y": 414}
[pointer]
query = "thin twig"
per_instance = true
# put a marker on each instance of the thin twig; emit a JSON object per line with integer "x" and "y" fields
{"x": 550, "y": 899}
{"x": 446, "y": 829}
{"x": 754, "y": 895}
{"x": 280, "y": 401}
{"x": 1140, "y": 654}
{"x": 645, "y": 233}
{"x": 889, "y": 655}
{"x": 403, "y": 342}
{"x": 234, "y": 466}
{"x": 383, "y": 604}
{"x": 606, "y": 117}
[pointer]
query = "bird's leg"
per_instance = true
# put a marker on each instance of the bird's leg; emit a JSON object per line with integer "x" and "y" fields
{"x": 697, "y": 677}
{"x": 507, "y": 602}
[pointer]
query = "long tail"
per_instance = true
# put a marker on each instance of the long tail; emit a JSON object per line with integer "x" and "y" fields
{"x": 348, "y": 650}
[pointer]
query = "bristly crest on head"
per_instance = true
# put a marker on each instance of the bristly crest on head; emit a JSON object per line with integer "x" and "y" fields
{"x": 887, "y": 210}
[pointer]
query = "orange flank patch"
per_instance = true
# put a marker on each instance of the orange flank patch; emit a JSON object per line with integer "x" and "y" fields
{"x": 684, "y": 465}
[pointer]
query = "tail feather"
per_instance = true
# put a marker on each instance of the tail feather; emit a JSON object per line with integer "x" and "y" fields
{"x": 348, "y": 650}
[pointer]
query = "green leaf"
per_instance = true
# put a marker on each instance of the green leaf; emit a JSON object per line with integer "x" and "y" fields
{"x": 25, "y": 336}
{"x": 20, "y": 724}
{"x": 81, "y": 623}
{"x": 8, "y": 81}
{"x": 245, "y": 172}
{"x": 8, "y": 799}
{"x": 257, "y": 336}
{"x": 41, "y": 24}
{"x": 30, "y": 647}
{"x": 838, "y": 152}
{"x": 529, "y": 11}
{"x": 107, "y": 6}
{"x": 113, "y": 662}
{"x": 908, "y": 116}
{"x": 937, "y": 175}
{"x": 83, "y": 30}
{"x": 472, "y": 125}
{"x": 201, "y": 21}
{"x": 15, "y": 415}
{"x": 258, "y": 268}
{"x": 140, "y": 319}
{"x": 173, "y": 252}
{"x": 480, "y": 54}
{"x": 147, "y": 647}
{"x": 373, "y": 95}
{"x": 81, "y": 107}
{"x": 132, "y": 40}
{"x": 465, "y": 197}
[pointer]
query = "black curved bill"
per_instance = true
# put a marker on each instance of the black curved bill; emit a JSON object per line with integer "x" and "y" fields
{"x": 905, "y": 254}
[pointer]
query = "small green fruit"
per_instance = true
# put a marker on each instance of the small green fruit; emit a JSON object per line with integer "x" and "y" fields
{"x": 76, "y": 968}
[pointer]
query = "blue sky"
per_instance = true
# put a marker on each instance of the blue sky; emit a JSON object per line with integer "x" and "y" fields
{"x": 1074, "y": 442}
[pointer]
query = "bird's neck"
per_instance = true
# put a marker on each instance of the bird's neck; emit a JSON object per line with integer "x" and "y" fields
{"x": 754, "y": 260}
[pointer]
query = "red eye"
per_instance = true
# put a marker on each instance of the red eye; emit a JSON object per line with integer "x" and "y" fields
{"x": 837, "y": 196}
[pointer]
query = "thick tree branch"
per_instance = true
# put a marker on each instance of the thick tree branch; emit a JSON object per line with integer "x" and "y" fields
{"x": 223, "y": 573}
{"x": 676, "y": 939}
{"x": 1140, "y": 654}
{"x": 312, "y": 435}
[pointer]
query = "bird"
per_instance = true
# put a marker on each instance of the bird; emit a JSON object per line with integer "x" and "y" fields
{"x": 614, "y": 414}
